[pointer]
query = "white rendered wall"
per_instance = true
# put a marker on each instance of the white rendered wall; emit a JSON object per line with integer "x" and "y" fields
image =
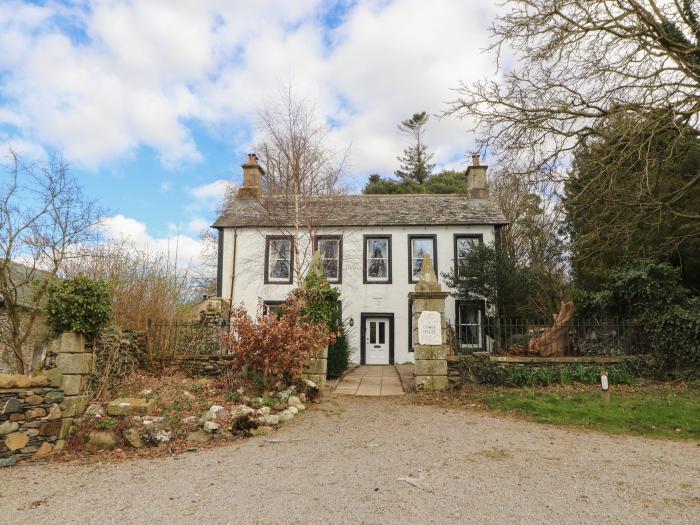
{"x": 357, "y": 298}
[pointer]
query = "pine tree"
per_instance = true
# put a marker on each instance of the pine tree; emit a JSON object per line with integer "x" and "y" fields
{"x": 415, "y": 162}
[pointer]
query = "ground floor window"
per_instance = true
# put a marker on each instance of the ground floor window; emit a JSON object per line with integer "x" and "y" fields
{"x": 272, "y": 307}
{"x": 469, "y": 324}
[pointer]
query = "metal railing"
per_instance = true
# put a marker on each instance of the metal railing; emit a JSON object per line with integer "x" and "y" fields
{"x": 579, "y": 337}
{"x": 168, "y": 339}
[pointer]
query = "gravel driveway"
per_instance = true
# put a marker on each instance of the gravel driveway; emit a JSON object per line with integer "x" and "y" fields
{"x": 378, "y": 460}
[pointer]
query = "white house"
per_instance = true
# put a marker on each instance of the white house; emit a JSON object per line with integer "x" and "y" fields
{"x": 372, "y": 248}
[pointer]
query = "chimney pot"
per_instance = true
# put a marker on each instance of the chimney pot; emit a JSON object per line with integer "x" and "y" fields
{"x": 477, "y": 185}
{"x": 252, "y": 179}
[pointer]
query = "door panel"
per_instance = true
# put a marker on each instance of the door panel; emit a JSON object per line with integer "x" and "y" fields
{"x": 377, "y": 341}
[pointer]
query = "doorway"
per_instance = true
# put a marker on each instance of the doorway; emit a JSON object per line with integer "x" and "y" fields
{"x": 377, "y": 334}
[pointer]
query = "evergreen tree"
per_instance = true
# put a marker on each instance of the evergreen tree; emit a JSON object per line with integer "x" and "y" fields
{"x": 609, "y": 199}
{"x": 415, "y": 162}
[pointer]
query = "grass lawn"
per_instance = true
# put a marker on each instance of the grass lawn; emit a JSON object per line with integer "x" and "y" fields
{"x": 659, "y": 410}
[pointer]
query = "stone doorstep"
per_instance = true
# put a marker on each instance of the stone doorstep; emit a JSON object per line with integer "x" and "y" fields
{"x": 369, "y": 390}
{"x": 347, "y": 389}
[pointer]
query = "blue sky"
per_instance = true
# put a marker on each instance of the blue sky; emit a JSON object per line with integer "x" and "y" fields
{"x": 153, "y": 103}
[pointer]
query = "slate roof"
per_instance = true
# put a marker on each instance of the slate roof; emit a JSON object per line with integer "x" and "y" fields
{"x": 364, "y": 210}
{"x": 21, "y": 280}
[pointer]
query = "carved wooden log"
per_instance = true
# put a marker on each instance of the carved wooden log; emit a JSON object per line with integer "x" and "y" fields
{"x": 554, "y": 341}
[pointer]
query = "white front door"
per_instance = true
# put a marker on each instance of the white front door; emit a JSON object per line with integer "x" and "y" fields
{"x": 377, "y": 341}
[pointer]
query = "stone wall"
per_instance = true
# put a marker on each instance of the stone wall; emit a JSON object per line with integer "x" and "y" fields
{"x": 204, "y": 365}
{"x": 453, "y": 362}
{"x": 31, "y": 424}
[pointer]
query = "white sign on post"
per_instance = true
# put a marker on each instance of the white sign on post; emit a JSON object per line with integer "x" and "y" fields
{"x": 429, "y": 328}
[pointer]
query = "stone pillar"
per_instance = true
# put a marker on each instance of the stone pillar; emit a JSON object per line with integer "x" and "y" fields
{"x": 316, "y": 368}
{"x": 75, "y": 364}
{"x": 429, "y": 330}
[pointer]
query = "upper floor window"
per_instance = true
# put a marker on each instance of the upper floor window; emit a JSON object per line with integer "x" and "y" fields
{"x": 331, "y": 249}
{"x": 463, "y": 244}
{"x": 279, "y": 260}
{"x": 418, "y": 247}
{"x": 377, "y": 259}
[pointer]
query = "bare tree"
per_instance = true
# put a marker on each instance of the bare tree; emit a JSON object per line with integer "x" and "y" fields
{"x": 579, "y": 63}
{"x": 44, "y": 220}
{"x": 204, "y": 279}
{"x": 533, "y": 237}
{"x": 299, "y": 165}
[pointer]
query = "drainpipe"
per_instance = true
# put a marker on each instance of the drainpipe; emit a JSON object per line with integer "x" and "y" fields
{"x": 233, "y": 269}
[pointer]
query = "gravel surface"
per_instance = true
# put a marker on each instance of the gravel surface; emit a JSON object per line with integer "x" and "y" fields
{"x": 378, "y": 460}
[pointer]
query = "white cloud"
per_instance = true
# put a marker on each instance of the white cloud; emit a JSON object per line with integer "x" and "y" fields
{"x": 210, "y": 195}
{"x": 140, "y": 73}
{"x": 197, "y": 225}
{"x": 185, "y": 250}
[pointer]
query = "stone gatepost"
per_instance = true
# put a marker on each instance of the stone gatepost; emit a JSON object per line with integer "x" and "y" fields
{"x": 316, "y": 368}
{"x": 429, "y": 330}
{"x": 75, "y": 363}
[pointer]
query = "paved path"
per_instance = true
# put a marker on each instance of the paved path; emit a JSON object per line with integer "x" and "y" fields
{"x": 374, "y": 380}
{"x": 378, "y": 460}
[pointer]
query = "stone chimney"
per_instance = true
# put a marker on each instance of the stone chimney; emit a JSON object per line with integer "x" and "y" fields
{"x": 252, "y": 179}
{"x": 477, "y": 188}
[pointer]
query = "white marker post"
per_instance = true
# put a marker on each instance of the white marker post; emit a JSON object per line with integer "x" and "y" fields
{"x": 604, "y": 386}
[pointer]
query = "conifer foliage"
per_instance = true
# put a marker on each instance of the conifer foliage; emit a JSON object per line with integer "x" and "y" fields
{"x": 415, "y": 162}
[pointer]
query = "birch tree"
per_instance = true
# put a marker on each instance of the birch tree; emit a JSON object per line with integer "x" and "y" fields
{"x": 299, "y": 164}
{"x": 44, "y": 220}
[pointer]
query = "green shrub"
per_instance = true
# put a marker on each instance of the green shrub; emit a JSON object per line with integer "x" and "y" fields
{"x": 78, "y": 305}
{"x": 338, "y": 356}
{"x": 106, "y": 424}
{"x": 323, "y": 306}
{"x": 652, "y": 294}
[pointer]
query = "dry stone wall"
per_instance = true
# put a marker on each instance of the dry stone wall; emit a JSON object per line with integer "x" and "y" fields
{"x": 31, "y": 424}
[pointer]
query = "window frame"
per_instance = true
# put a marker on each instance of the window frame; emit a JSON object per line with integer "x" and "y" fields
{"x": 481, "y": 307}
{"x": 267, "y": 305}
{"x": 268, "y": 240}
{"x": 478, "y": 236}
{"x": 338, "y": 238}
{"x": 366, "y": 238}
{"x": 413, "y": 236}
